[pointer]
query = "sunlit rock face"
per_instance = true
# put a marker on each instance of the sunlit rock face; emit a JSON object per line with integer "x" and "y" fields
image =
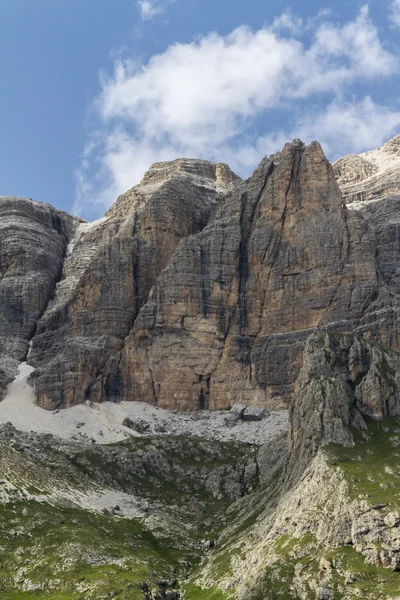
{"x": 112, "y": 265}
{"x": 374, "y": 175}
{"x": 228, "y": 317}
{"x": 198, "y": 289}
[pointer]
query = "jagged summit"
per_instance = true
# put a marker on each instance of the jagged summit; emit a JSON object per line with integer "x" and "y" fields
{"x": 373, "y": 175}
{"x": 217, "y": 173}
{"x": 199, "y": 289}
{"x": 212, "y": 178}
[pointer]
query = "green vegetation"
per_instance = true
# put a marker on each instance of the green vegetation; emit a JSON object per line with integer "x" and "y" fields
{"x": 176, "y": 468}
{"x": 65, "y": 552}
{"x": 370, "y": 581}
{"x": 56, "y": 550}
{"x": 288, "y": 555}
{"x": 372, "y": 466}
{"x": 192, "y": 592}
{"x": 51, "y": 551}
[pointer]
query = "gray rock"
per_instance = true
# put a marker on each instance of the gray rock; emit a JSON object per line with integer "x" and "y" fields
{"x": 255, "y": 413}
{"x": 33, "y": 241}
{"x": 108, "y": 276}
{"x": 238, "y": 300}
{"x": 374, "y": 175}
{"x": 231, "y": 420}
{"x": 237, "y": 410}
{"x": 138, "y": 424}
{"x": 200, "y": 415}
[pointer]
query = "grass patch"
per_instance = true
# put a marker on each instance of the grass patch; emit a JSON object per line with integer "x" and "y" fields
{"x": 193, "y": 592}
{"x": 373, "y": 582}
{"x": 372, "y": 466}
{"x": 74, "y": 553}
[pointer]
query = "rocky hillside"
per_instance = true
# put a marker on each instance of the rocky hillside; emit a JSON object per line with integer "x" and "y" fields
{"x": 315, "y": 515}
{"x": 199, "y": 291}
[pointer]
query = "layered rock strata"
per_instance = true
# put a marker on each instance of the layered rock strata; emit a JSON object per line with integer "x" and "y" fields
{"x": 199, "y": 290}
{"x": 108, "y": 275}
{"x": 33, "y": 243}
{"x": 371, "y": 176}
{"x": 229, "y": 316}
{"x": 312, "y": 531}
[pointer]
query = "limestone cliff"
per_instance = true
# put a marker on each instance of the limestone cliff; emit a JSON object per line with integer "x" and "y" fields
{"x": 325, "y": 522}
{"x": 370, "y": 176}
{"x": 33, "y": 243}
{"x": 107, "y": 277}
{"x": 228, "y": 317}
{"x": 199, "y": 289}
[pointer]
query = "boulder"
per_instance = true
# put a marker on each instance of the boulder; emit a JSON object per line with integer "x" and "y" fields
{"x": 138, "y": 424}
{"x": 237, "y": 410}
{"x": 255, "y": 413}
{"x": 231, "y": 420}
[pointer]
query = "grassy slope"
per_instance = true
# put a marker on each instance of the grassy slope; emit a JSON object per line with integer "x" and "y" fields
{"x": 56, "y": 552}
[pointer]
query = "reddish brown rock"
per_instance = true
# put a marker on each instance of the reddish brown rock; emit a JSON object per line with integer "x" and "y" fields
{"x": 229, "y": 316}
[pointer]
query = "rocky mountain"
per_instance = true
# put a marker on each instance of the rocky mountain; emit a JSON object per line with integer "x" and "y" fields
{"x": 374, "y": 175}
{"x": 199, "y": 291}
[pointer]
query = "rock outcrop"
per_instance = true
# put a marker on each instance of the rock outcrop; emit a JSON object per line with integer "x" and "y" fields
{"x": 199, "y": 290}
{"x": 33, "y": 243}
{"x": 325, "y": 524}
{"x": 343, "y": 379}
{"x": 373, "y": 175}
{"x": 202, "y": 291}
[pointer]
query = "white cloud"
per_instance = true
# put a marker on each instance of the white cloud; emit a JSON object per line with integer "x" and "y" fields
{"x": 342, "y": 128}
{"x": 289, "y": 21}
{"x": 395, "y": 12}
{"x": 148, "y": 9}
{"x": 200, "y": 99}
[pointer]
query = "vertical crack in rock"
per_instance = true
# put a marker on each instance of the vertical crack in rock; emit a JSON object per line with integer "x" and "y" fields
{"x": 246, "y": 224}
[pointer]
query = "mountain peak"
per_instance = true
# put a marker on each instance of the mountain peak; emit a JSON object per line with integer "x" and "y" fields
{"x": 372, "y": 175}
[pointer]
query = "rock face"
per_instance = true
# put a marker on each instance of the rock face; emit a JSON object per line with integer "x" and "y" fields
{"x": 108, "y": 275}
{"x": 199, "y": 290}
{"x": 342, "y": 378}
{"x": 202, "y": 291}
{"x": 329, "y": 524}
{"x": 371, "y": 176}
{"x": 33, "y": 242}
{"x": 229, "y": 315}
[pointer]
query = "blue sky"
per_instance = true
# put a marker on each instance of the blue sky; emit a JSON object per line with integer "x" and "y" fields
{"x": 94, "y": 91}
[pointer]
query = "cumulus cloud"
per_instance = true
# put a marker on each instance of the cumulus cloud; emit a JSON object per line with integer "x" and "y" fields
{"x": 202, "y": 99}
{"x": 342, "y": 128}
{"x": 395, "y": 12}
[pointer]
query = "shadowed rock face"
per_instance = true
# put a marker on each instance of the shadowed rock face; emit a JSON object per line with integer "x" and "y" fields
{"x": 33, "y": 241}
{"x": 343, "y": 378}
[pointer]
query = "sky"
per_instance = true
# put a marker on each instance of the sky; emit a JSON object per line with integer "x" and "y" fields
{"x": 95, "y": 91}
